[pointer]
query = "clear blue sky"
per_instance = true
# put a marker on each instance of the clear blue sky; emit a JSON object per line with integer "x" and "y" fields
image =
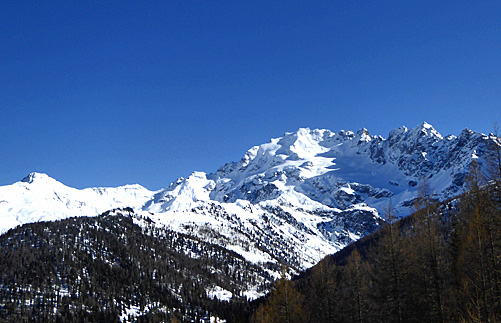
{"x": 107, "y": 93}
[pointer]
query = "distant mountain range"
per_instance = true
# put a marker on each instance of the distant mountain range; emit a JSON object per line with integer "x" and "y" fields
{"x": 292, "y": 200}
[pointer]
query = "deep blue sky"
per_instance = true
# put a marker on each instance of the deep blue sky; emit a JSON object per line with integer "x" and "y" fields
{"x": 106, "y": 93}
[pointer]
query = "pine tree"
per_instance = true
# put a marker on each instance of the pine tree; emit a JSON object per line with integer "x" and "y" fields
{"x": 478, "y": 257}
{"x": 356, "y": 287}
{"x": 284, "y": 304}
{"x": 429, "y": 246}
{"x": 321, "y": 292}
{"x": 388, "y": 263}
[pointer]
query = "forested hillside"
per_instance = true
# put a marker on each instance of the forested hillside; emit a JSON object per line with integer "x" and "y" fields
{"x": 119, "y": 267}
{"x": 441, "y": 264}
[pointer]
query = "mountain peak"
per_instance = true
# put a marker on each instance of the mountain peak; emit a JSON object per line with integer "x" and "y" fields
{"x": 426, "y": 125}
{"x": 423, "y": 131}
{"x": 32, "y": 177}
{"x": 363, "y": 135}
{"x": 427, "y": 129}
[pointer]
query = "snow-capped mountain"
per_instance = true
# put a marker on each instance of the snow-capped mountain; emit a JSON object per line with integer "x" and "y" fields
{"x": 292, "y": 200}
{"x": 345, "y": 169}
{"x": 38, "y": 197}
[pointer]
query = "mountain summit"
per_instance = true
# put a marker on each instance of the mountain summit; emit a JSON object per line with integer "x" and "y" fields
{"x": 32, "y": 177}
{"x": 291, "y": 200}
{"x": 345, "y": 169}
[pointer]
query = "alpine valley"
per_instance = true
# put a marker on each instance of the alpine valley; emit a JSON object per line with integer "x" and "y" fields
{"x": 286, "y": 204}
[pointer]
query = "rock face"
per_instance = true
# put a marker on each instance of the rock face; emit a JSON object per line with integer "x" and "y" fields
{"x": 292, "y": 200}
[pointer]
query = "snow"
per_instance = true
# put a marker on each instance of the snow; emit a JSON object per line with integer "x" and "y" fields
{"x": 133, "y": 311}
{"x": 219, "y": 293}
{"x": 253, "y": 294}
{"x": 253, "y": 256}
{"x": 347, "y": 190}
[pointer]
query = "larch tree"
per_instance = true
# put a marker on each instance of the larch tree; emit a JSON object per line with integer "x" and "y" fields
{"x": 430, "y": 246}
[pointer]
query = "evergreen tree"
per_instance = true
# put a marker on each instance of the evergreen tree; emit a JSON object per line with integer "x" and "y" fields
{"x": 284, "y": 305}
